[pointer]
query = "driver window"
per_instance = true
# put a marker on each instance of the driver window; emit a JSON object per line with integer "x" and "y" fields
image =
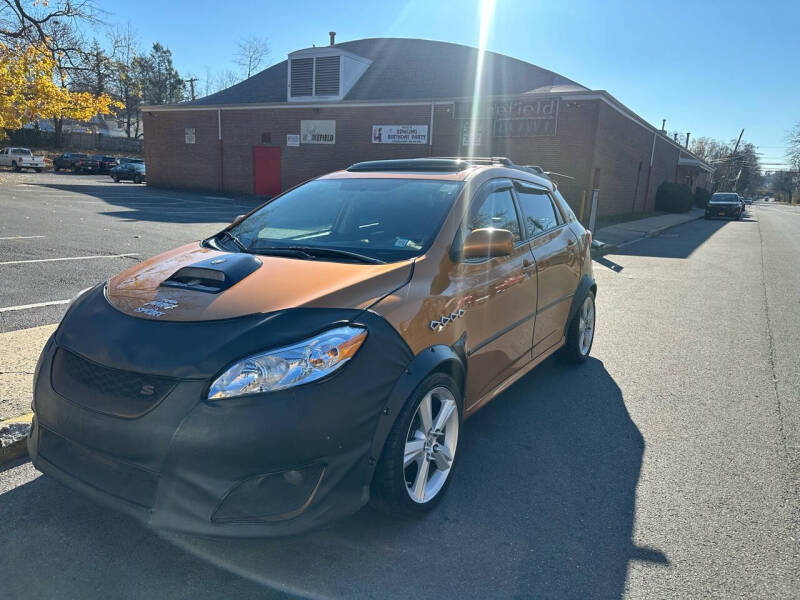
{"x": 496, "y": 210}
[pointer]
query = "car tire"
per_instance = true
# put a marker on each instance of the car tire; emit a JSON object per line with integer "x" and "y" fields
{"x": 578, "y": 347}
{"x": 398, "y": 487}
{"x": 15, "y": 166}
{"x": 137, "y": 179}
{"x": 74, "y": 170}
{"x": 38, "y": 169}
{"x": 115, "y": 178}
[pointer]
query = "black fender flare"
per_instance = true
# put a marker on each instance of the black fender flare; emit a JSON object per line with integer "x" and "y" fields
{"x": 448, "y": 359}
{"x": 585, "y": 285}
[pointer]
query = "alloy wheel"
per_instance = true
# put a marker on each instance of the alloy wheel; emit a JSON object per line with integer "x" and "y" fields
{"x": 586, "y": 325}
{"x": 431, "y": 445}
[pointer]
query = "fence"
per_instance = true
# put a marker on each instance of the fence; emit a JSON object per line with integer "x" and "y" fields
{"x": 73, "y": 141}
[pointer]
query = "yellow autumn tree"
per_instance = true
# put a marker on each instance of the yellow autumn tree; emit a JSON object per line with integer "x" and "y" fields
{"x": 30, "y": 91}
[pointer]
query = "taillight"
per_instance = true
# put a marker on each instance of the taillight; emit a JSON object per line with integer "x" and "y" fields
{"x": 589, "y": 237}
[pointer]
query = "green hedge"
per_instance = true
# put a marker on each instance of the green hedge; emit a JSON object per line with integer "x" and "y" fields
{"x": 701, "y": 197}
{"x": 673, "y": 197}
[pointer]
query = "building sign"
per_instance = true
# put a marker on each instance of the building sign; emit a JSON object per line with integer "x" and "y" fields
{"x": 317, "y": 132}
{"x": 515, "y": 118}
{"x": 472, "y": 136}
{"x": 292, "y": 139}
{"x": 189, "y": 135}
{"x": 399, "y": 134}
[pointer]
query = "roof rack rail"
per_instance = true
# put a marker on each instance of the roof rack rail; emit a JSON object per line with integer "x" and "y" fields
{"x": 449, "y": 164}
{"x": 480, "y": 160}
{"x": 411, "y": 164}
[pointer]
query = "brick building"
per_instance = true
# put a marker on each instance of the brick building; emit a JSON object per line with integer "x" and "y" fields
{"x": 325, "y": 108}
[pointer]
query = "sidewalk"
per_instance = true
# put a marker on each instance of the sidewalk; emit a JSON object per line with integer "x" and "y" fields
{"x": 19, "y": 351}
{"x": 614, "y": 236}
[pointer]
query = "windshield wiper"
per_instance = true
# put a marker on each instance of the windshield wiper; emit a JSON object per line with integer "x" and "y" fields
{"x": 315, "y": 251}
{"x": 312, "y": 252}
{"x": 283, "y": 251}
{"x": 235, "y": 240}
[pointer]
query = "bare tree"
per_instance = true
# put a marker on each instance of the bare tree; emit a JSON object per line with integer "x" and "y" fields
{"x": 793, "y": 149}
{"x": 225, "y": 79}
{"x": 34, "y": 20}
{"x": 126, "y": 83}
{"x": 251, "y": 54}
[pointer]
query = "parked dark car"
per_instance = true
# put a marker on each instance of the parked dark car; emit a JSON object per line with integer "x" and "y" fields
{"x": 106, "y": 162}
{"x": 724, "y": 205}
{"x": 67, "y": 160}
{"x": 132, "y": 170}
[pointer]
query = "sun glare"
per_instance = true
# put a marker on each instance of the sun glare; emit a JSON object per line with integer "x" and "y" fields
{"x": 487, "y": 13}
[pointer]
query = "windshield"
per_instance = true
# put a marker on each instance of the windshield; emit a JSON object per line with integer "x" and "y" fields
{"x": 384, "y": 219}
{"x": 724, "y": 198}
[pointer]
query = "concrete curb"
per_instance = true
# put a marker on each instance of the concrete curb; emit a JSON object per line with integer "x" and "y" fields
{"x": 603, "y": 248}
{"x": 13, "y": 433}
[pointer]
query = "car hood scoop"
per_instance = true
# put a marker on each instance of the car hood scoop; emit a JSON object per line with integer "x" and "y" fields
{"x": 213, "y": 275}
{"x": 196, "y": 283}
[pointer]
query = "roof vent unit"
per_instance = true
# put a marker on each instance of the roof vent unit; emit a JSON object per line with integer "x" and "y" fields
{"x": 302, "y": 76}
{"x": 325, "y": 73}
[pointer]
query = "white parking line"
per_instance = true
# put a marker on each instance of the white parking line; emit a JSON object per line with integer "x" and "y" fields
{"x": 37, "y": 305}
{"x": 22, "y": 237}
{"x": 41, "y": 260}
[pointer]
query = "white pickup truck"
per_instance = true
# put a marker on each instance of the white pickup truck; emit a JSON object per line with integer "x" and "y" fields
{"x": 21, "y": 158}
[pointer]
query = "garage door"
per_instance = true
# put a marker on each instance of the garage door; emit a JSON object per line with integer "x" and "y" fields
{"x": 266, "y": 171}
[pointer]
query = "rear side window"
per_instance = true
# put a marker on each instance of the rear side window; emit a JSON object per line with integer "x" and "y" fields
{"x": 497, "y": 211}
{"x": 538, "y": 211}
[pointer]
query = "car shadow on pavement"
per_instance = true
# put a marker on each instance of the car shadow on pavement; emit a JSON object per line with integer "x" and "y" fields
{"x": 542, "y": 505}
{"x": 142, "y": 203}
{"x": 678, "y": 242}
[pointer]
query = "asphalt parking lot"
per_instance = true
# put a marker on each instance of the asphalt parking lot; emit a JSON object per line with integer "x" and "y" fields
{"x": 664, "y": 467}
{"x": 61, "y": 233}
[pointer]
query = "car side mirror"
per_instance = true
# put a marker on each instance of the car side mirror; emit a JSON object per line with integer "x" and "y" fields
{"x": 238, "y": 220}
{"x": 488, "y": 243}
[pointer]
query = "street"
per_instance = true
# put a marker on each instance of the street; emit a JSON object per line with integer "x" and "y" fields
{"x": 666, "y": 466}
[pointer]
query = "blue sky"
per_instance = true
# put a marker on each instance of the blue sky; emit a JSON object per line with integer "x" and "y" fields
{"x": 708, "y": 67}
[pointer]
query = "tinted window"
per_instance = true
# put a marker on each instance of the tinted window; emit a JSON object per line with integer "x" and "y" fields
{"x": 568, "y": 214}
{"x": 724, "y": 198}
{"x": 537, "y": 211}
{"x": 496, "y": 211}
{"x": 388, "y": 219}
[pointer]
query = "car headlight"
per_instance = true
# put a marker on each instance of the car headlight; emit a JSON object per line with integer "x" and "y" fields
{"x": 289, "y": 366}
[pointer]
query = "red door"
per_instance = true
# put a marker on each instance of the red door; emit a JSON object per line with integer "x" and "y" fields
{"x": 266, "y": 171}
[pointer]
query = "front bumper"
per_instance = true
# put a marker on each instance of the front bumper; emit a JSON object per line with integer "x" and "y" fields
{"x": 271, "y": 464}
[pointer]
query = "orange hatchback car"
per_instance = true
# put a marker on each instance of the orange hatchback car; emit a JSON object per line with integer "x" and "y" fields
{"x": 320, "y": 352}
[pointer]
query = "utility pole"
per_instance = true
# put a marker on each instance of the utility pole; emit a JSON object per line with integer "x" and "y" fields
{"x": 191, "y": 81}
{"x": 733, "y": 156}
